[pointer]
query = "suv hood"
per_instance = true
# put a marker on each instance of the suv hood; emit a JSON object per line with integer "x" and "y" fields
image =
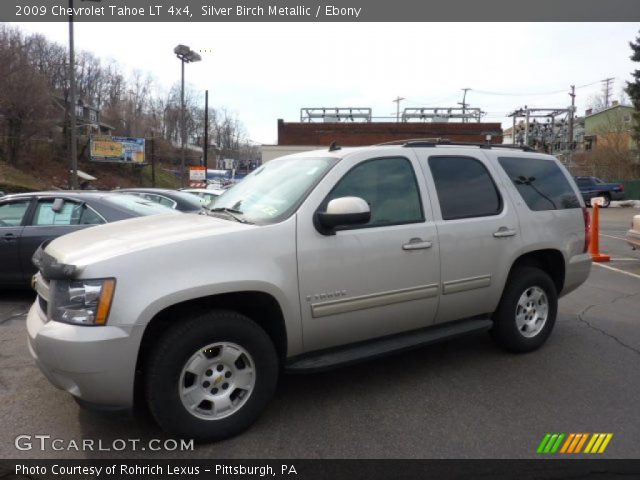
{"x": 95, "y": 244}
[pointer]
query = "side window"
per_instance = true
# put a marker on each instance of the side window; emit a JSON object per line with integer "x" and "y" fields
{"x": 69, "y": 214}
{"x": 540, "y": 182}
{"x": 465, "y": 188}
{"x": 89, "y": 217}
{"x": 390, "y": 188}
{"x": 12, "y": 213}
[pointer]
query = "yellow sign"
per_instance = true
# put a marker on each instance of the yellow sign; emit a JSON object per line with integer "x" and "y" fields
{"x": 106, "y": 148}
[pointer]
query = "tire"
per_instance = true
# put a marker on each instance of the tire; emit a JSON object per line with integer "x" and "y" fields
{"x": 607, "y": 200}
{"x": 211, "y": 376}
{"x": 518, "y": 324}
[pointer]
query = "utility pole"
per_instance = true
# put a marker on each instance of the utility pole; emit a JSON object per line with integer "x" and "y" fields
{"x": 464, "y": 104}
{"x": 73, "y": 102}
{"x": 397, "y": 101}
{"x": 571, "y": 116}
{"x": 526, "y": 126}
{"x": 606, "y": 90}
{"x": 206, "y": 134}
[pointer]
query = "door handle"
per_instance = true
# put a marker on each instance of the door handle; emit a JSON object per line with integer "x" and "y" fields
{"x": 504, "y": 232}
{"x": 9, "y": 236}
{"x": 417, "y": 244}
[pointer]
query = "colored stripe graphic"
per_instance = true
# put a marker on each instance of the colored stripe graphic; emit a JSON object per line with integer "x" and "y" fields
{"x": 573, "y": 443}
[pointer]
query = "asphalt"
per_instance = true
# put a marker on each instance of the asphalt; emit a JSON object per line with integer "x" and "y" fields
{"x": 460, "y": 399}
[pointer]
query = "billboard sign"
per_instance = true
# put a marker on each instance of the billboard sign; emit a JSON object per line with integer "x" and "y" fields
{"x": 117, "y": 149}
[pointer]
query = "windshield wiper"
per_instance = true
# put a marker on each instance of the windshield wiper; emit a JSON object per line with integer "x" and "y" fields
{"x": 232, "y": 212}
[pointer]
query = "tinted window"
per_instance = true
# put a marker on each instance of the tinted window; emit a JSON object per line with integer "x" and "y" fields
{"x": 465, "y": 188}
{"x": 540, "y": 182}
{"x": 11, "y": 214}
{"x": 388, "y": 185}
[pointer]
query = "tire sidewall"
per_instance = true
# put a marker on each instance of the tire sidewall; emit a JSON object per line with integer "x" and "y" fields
{"x": 172, "y": 354}
{"x": 505, "y": 328}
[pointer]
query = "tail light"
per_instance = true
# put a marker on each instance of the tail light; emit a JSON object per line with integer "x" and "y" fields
{"x": 621, "y": 187}
{"x": 587, "y": 227}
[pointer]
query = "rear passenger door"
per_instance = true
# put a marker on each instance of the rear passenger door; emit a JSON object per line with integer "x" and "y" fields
{"x": 478, "y": 230}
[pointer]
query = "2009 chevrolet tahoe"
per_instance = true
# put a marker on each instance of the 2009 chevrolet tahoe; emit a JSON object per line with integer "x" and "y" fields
{"x": 314, "y": 260}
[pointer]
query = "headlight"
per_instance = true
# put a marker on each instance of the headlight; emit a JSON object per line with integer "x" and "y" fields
{"x": 81, "y": 302}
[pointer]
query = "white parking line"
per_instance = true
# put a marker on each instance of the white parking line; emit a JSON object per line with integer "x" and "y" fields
{"x": 617, "y": 270}
{"x": 611, "y": 236}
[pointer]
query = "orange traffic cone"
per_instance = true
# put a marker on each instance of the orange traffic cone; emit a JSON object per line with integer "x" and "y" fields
{"x": 594, "y": 244}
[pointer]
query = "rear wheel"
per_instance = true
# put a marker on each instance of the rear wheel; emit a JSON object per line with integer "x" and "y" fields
{"x": 527, "y": 311}
{"x": 607, "y": 200}
{"x": 211, "y": 376}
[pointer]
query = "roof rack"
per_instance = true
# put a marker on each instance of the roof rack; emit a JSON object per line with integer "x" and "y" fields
{"x": 433, "y": 142}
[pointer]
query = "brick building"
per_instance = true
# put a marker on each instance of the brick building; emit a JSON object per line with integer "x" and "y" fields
{"x": 297, "y": 136}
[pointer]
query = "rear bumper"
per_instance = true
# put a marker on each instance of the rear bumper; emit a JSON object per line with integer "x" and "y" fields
{"x": 633, "y": 238}
{"x": 577, "y": 272}
{"x": 617, "y": 195}
{"x": 95, "y": 364}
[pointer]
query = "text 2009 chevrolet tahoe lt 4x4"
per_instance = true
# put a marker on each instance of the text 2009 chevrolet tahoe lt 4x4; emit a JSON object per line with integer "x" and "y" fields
{"x": 314, "y": 260}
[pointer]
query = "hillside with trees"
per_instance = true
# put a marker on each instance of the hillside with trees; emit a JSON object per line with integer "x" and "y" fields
{"x": 35, "y": 119}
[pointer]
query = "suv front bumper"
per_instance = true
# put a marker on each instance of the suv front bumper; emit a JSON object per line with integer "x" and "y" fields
{"x": 95, "y": 364}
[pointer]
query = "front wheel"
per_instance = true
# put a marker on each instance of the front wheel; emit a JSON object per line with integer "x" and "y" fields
{"x": 210, "y": 376}
{"x": 527, "y": 311}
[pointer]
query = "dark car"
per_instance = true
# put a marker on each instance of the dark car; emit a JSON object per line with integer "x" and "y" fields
{"x": 591, "y": 187}
{"x": 29, "y": 219}
{"x": 184, "y": 202}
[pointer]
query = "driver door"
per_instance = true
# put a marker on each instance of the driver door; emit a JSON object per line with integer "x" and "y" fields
{"x": 371, "y": 280}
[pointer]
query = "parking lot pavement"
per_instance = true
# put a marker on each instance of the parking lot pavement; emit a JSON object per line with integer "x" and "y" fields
{"x": 460, "y": 399}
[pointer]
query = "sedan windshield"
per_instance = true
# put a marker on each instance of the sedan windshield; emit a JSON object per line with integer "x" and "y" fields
{"x": 273, "y": 191}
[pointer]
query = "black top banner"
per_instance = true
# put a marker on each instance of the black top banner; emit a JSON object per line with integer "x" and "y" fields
{"x": 319, "y": 10}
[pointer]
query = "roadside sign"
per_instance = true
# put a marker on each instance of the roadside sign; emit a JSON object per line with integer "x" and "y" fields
{"x": 597, "y": 201}
{"x": 197, "y": 174}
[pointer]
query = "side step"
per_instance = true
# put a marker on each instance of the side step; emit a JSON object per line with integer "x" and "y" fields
{"x": 344, "y": 355}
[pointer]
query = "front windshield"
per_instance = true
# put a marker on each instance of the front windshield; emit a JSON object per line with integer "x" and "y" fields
{"x": 274, "y": 191}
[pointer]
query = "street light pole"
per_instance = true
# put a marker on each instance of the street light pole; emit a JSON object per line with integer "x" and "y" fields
{"x": 185, "y": 55}
{"x": 72, "y": 101}
{"x": 183, "y": 129}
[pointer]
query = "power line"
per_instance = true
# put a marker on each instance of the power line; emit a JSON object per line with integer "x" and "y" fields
{"x": 505, "y": 94}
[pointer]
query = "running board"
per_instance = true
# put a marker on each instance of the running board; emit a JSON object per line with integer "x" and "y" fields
{"x": 344, "y": 355}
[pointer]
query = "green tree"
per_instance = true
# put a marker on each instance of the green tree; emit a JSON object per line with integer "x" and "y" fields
{"x": 633, "y": 89}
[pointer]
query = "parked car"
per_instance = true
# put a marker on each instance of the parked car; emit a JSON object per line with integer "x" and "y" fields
{"x": 181, "y": 201}
{"x": 591, "y": 187}
{"x": 633, "y": 235}
{"x": 207, "y": 195}
{"x": 329, "y": 257}
{"x": 29, "y": 219}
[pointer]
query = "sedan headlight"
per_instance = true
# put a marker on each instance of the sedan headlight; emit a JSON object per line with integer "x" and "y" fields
{"x": 81, "y": 302}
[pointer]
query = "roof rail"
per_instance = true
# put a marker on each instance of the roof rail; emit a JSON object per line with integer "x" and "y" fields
{"x": 433, "y": 142}
{"x": 408, "y": 140}
{"x": 488, "y": 146}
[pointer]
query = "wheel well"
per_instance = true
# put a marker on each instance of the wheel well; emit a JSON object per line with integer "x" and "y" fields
{"x": 261, "y": 307}
{"x": 550, "y": 261}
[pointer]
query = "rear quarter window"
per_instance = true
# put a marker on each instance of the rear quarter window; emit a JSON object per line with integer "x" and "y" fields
{"x": 540, "y": 182}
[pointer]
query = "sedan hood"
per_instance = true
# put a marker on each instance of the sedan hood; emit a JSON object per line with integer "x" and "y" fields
{"x": 113, "y": 239}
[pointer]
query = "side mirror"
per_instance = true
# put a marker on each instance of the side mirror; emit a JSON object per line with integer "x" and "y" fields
{"x": 343, "y": 212}
{"x": 58, "y": 203}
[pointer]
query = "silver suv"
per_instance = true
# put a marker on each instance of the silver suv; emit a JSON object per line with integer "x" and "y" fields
{"x": 314, "y": 260}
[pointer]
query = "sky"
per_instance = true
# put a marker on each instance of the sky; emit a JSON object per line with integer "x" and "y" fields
{"x": 266, "y": 71}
